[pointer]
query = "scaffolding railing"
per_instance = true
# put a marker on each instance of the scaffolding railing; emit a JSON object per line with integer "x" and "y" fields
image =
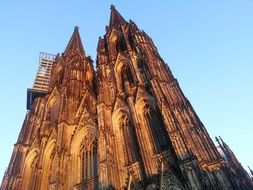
{"x": 43, "y": 76}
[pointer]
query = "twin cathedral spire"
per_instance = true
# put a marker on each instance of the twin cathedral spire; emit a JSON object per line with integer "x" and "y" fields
{"x": 125, "y": 125}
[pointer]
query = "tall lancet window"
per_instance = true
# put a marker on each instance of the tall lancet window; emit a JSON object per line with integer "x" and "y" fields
{"x": 29, "y": 174}
{"x": 121, "y": 45}
{"x": 154, "y": 122}
{"x": 128, "y": 140}
{"x": 144, "y": 70}
{"x": 126, "y": 77}
{"x": 53, "y": 171}
{"x": 32, "y": 174}
{"x": 88, "y": 159}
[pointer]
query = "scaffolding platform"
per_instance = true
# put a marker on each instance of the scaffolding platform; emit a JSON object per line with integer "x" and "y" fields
{"x": 42, "y": 80}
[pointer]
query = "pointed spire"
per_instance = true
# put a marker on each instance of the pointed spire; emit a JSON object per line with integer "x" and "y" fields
{"x": 218, "y": 141}
{"x": 223, "y": 143}
{"x": 75, "y": 42}
{"x": 116, "y": 19}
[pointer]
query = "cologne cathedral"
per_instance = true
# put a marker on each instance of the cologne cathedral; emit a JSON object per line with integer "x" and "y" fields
{"x": 125, "y": 124}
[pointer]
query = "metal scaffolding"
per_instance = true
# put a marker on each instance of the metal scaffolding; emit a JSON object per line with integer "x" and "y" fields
{"x": 43, "y": 76}
{"x": 42, "y": 80}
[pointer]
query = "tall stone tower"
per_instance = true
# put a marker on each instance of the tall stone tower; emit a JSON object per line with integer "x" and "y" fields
{"x": 126, "y": 125}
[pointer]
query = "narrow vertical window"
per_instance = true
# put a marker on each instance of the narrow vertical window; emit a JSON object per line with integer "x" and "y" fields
{"x": 88, "y": 161}
{"x": 121, "y": 46}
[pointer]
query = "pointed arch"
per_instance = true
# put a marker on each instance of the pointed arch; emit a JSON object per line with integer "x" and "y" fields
{"x": 125, "y": 136}
{"x": 29, "y": 170}
{"x": 52, "y": 107}
{"x": 57, "y": 74}
{"x": 145, "y": 139}
{"x": 84, "y": 160}
{"x": 117, "y": 42}
{"x": 48, "y": 154}
{"x": 146, "y": 134}
{"x": 114, "y": 36}
{"x": 152, "y": 135}
{"x": 80, "y": 134}
{"x": 123, "y": 74}
{"x": 53, "y": 171}
{"x": 126, "y": 147}
{"x": 150, "y": 117}
{"x": 145, "y": 72}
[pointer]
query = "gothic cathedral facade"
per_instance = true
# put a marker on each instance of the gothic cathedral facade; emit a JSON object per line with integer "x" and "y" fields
{"x": 124, "y": 125}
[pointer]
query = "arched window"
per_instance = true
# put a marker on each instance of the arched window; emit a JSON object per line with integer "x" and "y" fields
{"x": 88, "y": 159}
{"x": 121, "y": 45}
{"x": 83, "y": 159}
{"x": 61, "y": 77}
{"x": 132, "y": 41}
{"x": 128, "y": 140}
{"x": 53, "y": 170}
{"x": 113, "y": 45}
{"x": 52, "y": 109}
{"x": 145, "y": 138}
{"x": 144, "y": 70}
{"x": 117, "y": 44}
{"x": 154, "y": 122}
{"x": 126, "y": 76}
{"x": 54, "y": 115}
{"x": 47, "y": 168}
{"x": 30, "y": 171}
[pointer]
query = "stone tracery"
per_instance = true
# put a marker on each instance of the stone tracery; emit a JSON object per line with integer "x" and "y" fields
{"x": 111, "y": 129}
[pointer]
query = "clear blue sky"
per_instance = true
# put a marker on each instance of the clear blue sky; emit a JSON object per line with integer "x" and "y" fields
{"x": 207, "y": 44}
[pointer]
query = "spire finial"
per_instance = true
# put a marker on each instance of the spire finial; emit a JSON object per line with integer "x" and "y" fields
{"x": 116, "y": 19}
{"x": 221, "y": 140}
{"x": 76, "y": 28}
{"x": 112, "y": 6}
